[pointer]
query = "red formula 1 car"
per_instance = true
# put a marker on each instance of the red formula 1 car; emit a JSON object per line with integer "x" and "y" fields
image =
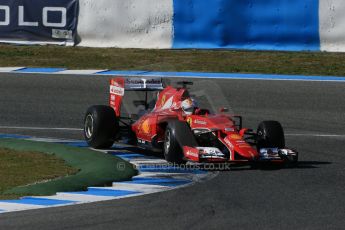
{"x": 174, "y": 125}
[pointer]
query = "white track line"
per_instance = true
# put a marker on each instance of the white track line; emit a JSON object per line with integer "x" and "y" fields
{"x": 9, "y": 69}
{"x": 40, "y": 128}
{"x": 81, "y": 72}
{"x": 10, "y": 207}
{"x": 315, "y": 135}
{"x": 76, "y": 197}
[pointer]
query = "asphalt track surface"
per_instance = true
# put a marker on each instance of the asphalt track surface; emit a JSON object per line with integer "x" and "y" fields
{"x": 310, "y": 196}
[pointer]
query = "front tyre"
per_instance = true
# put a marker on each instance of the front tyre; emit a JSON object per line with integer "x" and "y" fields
{"x": 100, "y": 126}
{"x": 172, "y": 150}
{"x": 270, "y": 134}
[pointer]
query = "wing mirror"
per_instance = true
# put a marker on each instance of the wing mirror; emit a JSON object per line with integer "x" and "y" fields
{"x": 246, "y": 132}
{"x": 223, "y": 110}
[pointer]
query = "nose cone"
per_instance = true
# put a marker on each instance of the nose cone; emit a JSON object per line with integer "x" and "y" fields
{"x": 242, "y": 148}
{"x": 247, "y": 152}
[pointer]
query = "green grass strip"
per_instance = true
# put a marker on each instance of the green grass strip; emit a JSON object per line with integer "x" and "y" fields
{"x": 225, "y": 61}
{"x": 96, "y": 168}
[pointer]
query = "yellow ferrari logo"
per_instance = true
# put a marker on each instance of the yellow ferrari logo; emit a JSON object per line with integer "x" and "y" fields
{"x": 145, "y": 126}
{"x": 164, "y": 98}
{"x": 189, "y": 120}
{"x": 235, "y": 137}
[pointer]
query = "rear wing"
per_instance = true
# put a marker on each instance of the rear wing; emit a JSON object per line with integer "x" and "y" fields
{"x": 119, "y": 85}
{"x": 143, "y": 84}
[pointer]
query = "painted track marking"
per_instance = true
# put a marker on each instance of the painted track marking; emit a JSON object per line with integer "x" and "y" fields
{"x": 197, "y": 75}
{"x": 315, "y": 135}
{"x": 40, "y": 128}
{"x": 148, "y": 181}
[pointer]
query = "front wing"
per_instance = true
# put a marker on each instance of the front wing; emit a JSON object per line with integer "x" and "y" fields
{"x": 214, "y": 155}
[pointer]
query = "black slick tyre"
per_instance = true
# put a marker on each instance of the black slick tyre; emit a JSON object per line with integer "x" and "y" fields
{"x": 172, "y": 150}
{"x": 100, "y": 126}
{"x": 270, "y": 134}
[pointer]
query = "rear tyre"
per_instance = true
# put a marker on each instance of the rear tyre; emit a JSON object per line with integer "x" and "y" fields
{"x": 100, "y": 126}
{"x": 270, "y": 135}
{"x": 172, "y": 150}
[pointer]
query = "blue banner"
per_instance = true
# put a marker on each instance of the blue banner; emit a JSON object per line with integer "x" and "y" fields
{"x": 38, "y": 21}
{"x": 247, "y": 24}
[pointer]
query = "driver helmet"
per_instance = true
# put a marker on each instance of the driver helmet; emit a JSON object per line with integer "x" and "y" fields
{"x": 188, "y": 106}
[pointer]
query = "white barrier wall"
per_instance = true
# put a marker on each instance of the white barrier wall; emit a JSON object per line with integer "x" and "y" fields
{"x": 332, "y": 25}
{"x": 126, "y": 24}
{"x": 295, "y": 25}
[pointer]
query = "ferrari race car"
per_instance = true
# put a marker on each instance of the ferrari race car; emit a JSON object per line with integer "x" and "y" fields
{"x": 173, "y": 124}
